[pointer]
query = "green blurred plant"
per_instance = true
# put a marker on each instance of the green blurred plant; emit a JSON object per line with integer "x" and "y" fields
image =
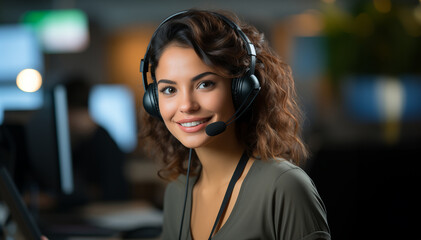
{"x": 373, "y": 39}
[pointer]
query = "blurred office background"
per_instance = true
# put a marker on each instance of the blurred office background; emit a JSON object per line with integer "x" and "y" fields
{"x": 358, "y": 75}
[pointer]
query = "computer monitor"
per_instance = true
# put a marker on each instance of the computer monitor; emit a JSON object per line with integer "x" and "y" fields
{"x": 20, "y": 49}
{"x": 48, "y": 144}
{"x": 113, "y": 107}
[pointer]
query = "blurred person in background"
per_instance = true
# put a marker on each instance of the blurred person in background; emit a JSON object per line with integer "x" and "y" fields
{"x": 98, "y": 162}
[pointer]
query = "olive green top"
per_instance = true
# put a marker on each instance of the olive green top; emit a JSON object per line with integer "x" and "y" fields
{"x": 277, "y": 200}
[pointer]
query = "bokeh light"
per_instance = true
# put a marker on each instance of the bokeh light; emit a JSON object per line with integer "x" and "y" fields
{"x": 29, "y": 80}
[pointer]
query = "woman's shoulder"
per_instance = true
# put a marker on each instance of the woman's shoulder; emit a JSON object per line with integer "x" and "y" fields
{"x": 282, "y": 174}
{"x": 277, "y": 168}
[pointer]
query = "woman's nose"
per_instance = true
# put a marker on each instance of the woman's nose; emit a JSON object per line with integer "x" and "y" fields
{"x": 188, "y": 103}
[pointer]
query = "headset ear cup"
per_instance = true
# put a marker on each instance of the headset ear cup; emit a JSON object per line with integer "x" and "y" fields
{"x": 234, "y": 92}
{"x": 244, "y": 89}
{"x": 150, "y": 101}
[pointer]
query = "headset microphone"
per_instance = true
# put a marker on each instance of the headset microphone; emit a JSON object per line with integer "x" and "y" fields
{"x": 215, "y": 128}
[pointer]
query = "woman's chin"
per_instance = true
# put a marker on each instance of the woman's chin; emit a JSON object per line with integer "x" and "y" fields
{"x": 195, "y": 141}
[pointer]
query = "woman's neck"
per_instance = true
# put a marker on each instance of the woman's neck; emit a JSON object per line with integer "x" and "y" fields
{"x": 219, "y": 162}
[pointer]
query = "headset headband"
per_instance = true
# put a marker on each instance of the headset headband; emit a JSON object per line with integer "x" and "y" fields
{"x": 251, "y": 50}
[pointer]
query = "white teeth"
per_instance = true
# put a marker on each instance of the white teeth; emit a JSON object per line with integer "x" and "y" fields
{"x": 192, "y": 124}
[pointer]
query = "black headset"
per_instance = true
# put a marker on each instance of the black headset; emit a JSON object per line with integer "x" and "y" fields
{"x": 244, "y": 89}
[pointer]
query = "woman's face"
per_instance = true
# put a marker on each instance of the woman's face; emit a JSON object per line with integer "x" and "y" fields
{"x": 191, "y": 96}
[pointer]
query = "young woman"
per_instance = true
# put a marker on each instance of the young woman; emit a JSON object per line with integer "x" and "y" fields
{"x": 222, "y": 110}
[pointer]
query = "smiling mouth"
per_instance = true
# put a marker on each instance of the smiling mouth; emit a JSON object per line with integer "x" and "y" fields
{"x": 194, "y": 123}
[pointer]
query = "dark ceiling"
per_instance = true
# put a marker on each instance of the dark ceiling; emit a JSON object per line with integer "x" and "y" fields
{"x": 112, "y": 14}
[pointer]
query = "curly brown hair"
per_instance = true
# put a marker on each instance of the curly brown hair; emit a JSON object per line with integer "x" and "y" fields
{"x": 271, "y": 127}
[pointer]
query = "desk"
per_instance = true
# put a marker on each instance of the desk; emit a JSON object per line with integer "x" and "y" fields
{"x": 97, "y": 238}
{"x": 105, "y": 221}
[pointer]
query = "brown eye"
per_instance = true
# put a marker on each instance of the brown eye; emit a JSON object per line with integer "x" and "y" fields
{"x": 206, "y": 84}
{"x": 168, "y": 90}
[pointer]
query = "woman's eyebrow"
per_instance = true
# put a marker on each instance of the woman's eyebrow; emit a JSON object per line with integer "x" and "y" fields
{"x": 165, "y": 81}
{"x": 195, "y": 78}
{"x": 202, "y": 75}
